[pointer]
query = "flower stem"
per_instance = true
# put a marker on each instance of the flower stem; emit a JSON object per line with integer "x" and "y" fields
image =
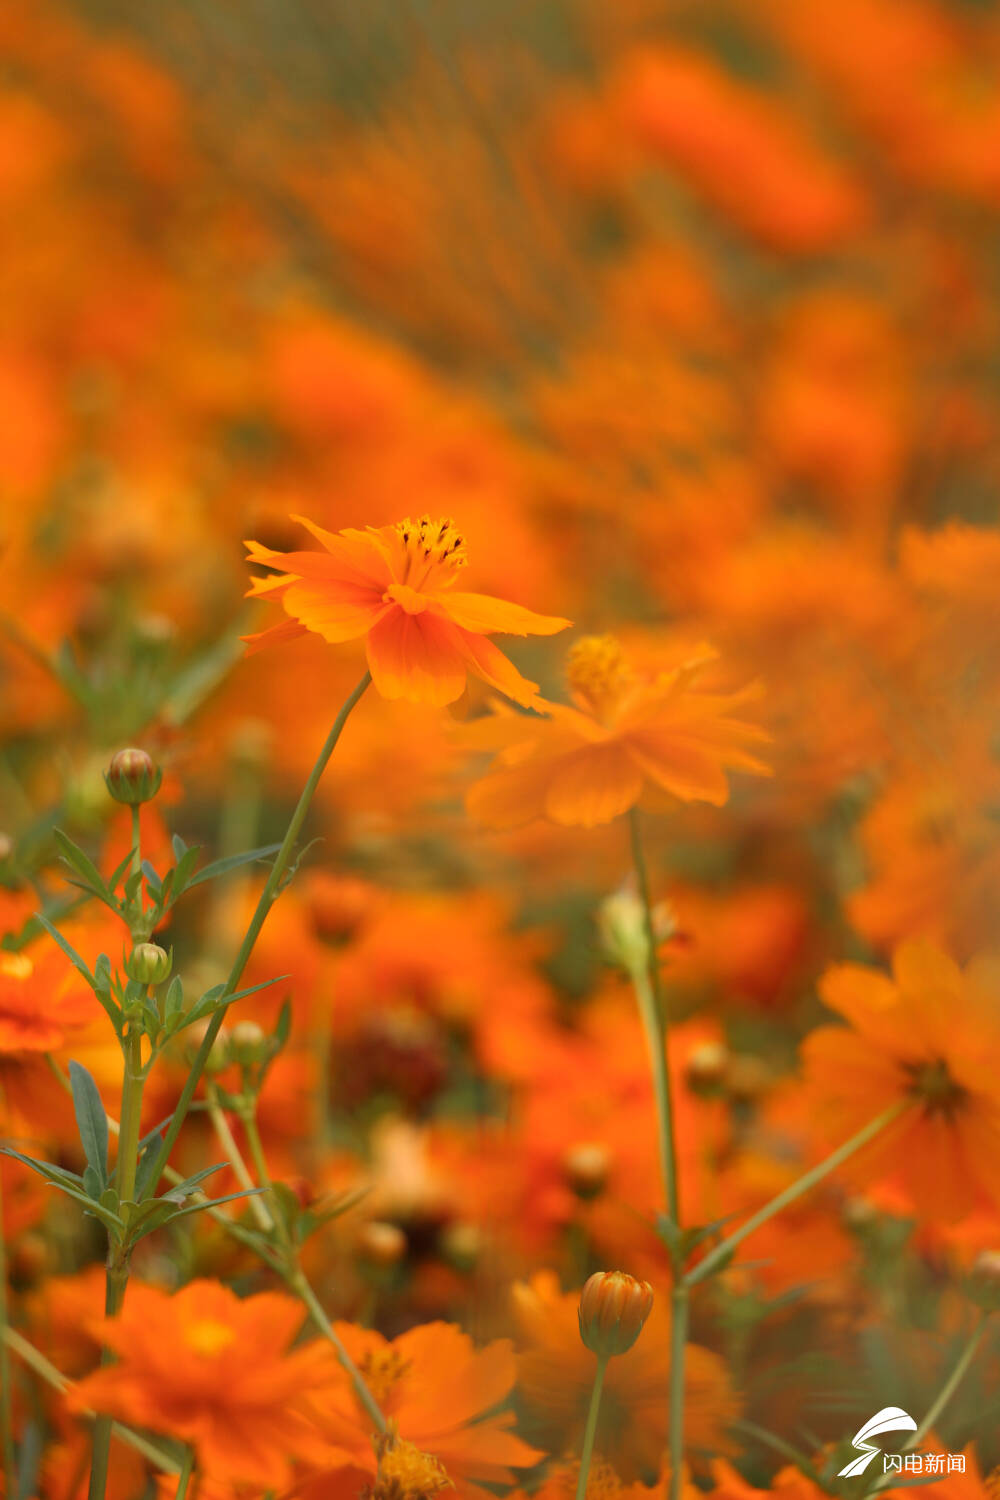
{"x": 136, "y": 848}
{"x": 678, "y": 1347}
{"x": 653, "y": 1013}
{"x": 590, "y": 1429}
{"x": 249, "y": 1117}
{"x": 803, "y": 1184}
{"x": 264, "y": 904}
{"x": 184, "y": 1477}
{"x": 228, "y": 1142}
{"x": 296, "y": 1279}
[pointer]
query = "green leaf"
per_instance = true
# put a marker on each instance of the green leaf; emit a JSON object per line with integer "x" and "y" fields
{"x": 84, "y": 866}
{"x": 91, "y": 1120}
{"x": 153, "y": 882}
{"x": 182, "y": 1189}
{"x": 212, "y": 998}
{"x": 144, "y": 1170}
{"x": 179, "y": 847}
{"x": 92, "y": 1184}
{"x": 120, "y": 869}
{"x": 158, "y": 1218}
{"x": 173, "y": 1001}
{"x": 220, "y": 867}
{"x": 58, "y": 1176}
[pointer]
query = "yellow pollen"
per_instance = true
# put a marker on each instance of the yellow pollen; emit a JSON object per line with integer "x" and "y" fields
{"x": 598, "y": 671}
{"x": 382, "y": 1370}
{"x": 16, "y": 966}
{"x": 208, "y": 1337}
{"x": 407, "y": 1473}
{"x": 430, "y": 542}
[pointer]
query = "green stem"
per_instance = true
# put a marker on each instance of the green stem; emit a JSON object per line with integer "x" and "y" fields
{"x": 298, "y": 1283}
{"x": 951, "y": 1385}
{"x": 590, "y": 1429}
{"x": 184, "y": 1477}
{"x": 6, "y": 1418}
{"x": 116, "y": 1276}
{"x": 648, "y": 986}
{"x": 795, "y": 1190}
{"x": 264, "y": 904}
{"x": 678, "y": 1348}
{"x": 136, "y": 848}
{"x": 228, "y": 1143}
{"x": 249, "y": 1118}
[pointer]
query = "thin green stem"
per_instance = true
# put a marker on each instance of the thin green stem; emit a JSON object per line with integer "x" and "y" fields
{"x": 591, "y": 1428}
{"x": 249, "y": 1118}
{"x": 184, "y": 1477}
{"x": 298, "y": 1283}
{"x": 136, "y": 849}
{"x": 116, "y": 1276}
{"x": 264, "y": 904}
{"x": 228, "y": 1142}
{"x": 6, "y": 1418}
{"x": 648, "y": 986}
{"x": 678, "y": 1348}
{"x": 803, "y": 1184}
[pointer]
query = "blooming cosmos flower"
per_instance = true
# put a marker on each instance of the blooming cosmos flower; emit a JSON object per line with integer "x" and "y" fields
{"x": 556, "y": 1372}
{"x": 629, "y": 734}
{"x": 213, "y": 1370}
{"x": 394, "y": 585}
{"x": 928, "y": 1037}
{"x": 442, "y": 1394}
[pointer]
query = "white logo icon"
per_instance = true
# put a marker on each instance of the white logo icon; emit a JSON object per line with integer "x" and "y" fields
{"x": 889, "y": 1419}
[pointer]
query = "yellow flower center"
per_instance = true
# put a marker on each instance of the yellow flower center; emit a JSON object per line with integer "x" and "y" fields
{"x": 382, "y": 1370}
{"x": 598, "y": 671}
{"x": 407, "y": 1473}
{"x": 207, "y": 1337}
{"x": 16, "y": 966}
{"x": 428, "y": 543}
{"x": 602, "y": 1481}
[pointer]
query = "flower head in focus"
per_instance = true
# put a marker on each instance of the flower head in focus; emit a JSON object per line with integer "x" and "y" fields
{"x": 395, "y": 586}
{"x": 629, "y": 733}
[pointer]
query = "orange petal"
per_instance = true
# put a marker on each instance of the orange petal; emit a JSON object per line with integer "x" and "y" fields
{"x": 489, "y": 663}
{"x": 512, "y": 795}
{"x": 288, "y": 630}
{"x": 338, "y": 612}
{"x": 690, "y": 772}
{"x": 417, "y": 657}
{"x": 483, "y": 614}
{"x": 592, "y": 785}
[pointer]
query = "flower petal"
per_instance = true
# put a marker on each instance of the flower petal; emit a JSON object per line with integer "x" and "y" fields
{"x": 483, "y": 614}
{"x": 592, "y": 785}
{"x": 417, "y": 657}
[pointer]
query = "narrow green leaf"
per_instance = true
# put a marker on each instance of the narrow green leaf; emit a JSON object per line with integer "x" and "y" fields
{"x": 220, "y": 867}
{"x": 58, "y": 1176}
{"x": 84, "y": 866}
{"x": 92, "y": 1184}
{"x": 68, "y": 949}
{"x": 91, "y": 1120}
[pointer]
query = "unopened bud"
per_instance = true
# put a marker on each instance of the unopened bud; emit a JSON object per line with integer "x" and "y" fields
{"x": 247, "y": 1043}
{"x": 462, "y": 1245}
{"x": 987, "y": 1265}
{"x": 218, "y": 1059}
{"x": 133, "y": 777}
{"x": 747, "y": 1078}
{"x": 706, "y": 1068}
{"x": 149, "y": 964}
{"x": 381, "y": 1244}
{"x": 587, "y": 1167}
{"x": 621, "y": 922}
{"x": 338, "y": 904}
{"x": 613, "y": 1308}
{"x": 983, "y": 1286}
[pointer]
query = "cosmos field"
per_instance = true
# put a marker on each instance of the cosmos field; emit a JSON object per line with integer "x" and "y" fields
{"x": 499, "y": 749}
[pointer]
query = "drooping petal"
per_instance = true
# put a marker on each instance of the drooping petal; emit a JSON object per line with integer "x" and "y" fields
{"x": 276, "y": 635}
{"x": 689, "y": 771}
{"x": 592, "y": 785}
{"x": 489, "y": 663}
{"x": 417, "y": 657}
{"x": 483, "y": 615}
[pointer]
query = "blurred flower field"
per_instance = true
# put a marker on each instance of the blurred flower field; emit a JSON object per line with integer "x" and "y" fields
{"x": 499, "y": 749}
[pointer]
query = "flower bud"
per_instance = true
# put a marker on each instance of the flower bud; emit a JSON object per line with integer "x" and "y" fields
{"x": 586, "y": 1167}
{"x": 983, "y": 1285}
{"x": 247, "y": 1043}
{"x": 132, "y": 777}
{"x": 621, "y": 923}
{"x": 381, "y": 1244}
{"x": 218, "y": 1059}
{"x": 149, "y": 964}
{"x": 706, "y": 1068}
{"x": 613, "y": 1308}
{"x": 462, "y": 1245}
{"x": 6, "y": 846}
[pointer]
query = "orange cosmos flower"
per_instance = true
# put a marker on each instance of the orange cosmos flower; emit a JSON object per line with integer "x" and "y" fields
{"x": 930, "y": 1037}
{"x": 394, "y": 585}
{"x": 630, "y": 733}
{"x": 441, "y": 1394}
{"x": 212, "y": 1370}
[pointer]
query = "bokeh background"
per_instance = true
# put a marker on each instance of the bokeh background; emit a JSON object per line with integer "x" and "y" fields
{"x": 688, "y": 313}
